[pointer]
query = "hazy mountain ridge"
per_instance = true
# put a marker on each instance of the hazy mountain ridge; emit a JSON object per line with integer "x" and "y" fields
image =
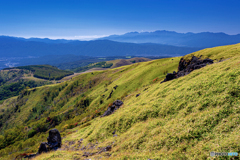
{"x": 202, "y": 40}
{"x": 170, "y": 43}
{"x": 16, "y": 47}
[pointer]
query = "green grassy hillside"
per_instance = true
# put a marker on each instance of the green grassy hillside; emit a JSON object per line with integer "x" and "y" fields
{"x": 185, "y": 118}
{"x": 111, "y": 64}
{"x": 12, "y": 81}
{"x": 46, "y": 72}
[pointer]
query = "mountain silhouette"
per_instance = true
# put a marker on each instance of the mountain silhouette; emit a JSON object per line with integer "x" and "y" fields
{"x": 20, "y": 47}
{"x": 201, "y": 40}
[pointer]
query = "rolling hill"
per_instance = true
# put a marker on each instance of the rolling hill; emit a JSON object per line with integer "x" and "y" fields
{"x": 44, "y": 71}
{"x": 111, "y": 64}
{"x": 85, "y": 62}
{"x": 14, "y": 80}
{"x": 185, "y": 118}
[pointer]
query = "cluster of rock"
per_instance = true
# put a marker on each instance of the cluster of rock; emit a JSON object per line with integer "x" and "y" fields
{"x": 54, "y": 142}
{"x": 101, "y": 150}
{"x": 89, "y": 150}
{"x": 116, "y": 104}
{"x": 185, "y": 67}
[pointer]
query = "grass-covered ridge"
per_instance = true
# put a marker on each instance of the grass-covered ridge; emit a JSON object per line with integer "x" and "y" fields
{"x": 13, "y": 81}
{"x": 217, "y": 53}
{"x": 46, "y": 71}
{"x": 93, "y": 65}
{"x": 111, "y": 64}
{"x": 185, "y": 118}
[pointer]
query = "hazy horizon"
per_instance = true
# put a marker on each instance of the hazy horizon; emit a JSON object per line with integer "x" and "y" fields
{"x": 87, "y": 20}
{"x": 94, "y": 37}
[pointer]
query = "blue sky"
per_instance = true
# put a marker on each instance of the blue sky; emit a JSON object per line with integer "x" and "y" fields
{"x": 86, "y": 19}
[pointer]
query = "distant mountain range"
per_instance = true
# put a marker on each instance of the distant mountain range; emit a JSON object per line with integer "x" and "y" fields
{"x": 20, "y": 47}
{"x": 14, "y": 50}
{"x": 201, "y": 40}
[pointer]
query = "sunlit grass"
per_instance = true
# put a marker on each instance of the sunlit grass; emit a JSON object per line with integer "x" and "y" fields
{"x": 185, "y": 118}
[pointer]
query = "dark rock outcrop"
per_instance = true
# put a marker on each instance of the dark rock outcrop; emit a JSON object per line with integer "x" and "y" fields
{"x": 54, "y": 139}
{"x": 114, "y": 135}
{"x": 54, "y": 142}
{"x": 42, "y": 148}
{"x": 116, "y": 104}
{"x": 105, "y": 149}
{"x": 115, "y": 87}
{"x": 185, "y": 67}
{"x": 101, "y": 150}
{"x": 110, "y": 95}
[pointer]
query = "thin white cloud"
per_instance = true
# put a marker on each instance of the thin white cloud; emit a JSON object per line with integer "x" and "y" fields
{"x": 84, "y": 38}
{"x": 91, "y": 37}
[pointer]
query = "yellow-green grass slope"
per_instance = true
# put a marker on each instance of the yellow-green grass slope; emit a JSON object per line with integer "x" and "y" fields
{"x": 45, "y": 71}
{"x": 185, "y": 118}
{"x": 110, "y": 64}
{"x": 66, "y": 100}
{"x": 122, "y": 62}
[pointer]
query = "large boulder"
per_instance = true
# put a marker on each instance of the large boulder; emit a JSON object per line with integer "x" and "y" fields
{"x": 54, "y": 139}
{"x": 54, "y": 142}
{"x": 185, "y": 67}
